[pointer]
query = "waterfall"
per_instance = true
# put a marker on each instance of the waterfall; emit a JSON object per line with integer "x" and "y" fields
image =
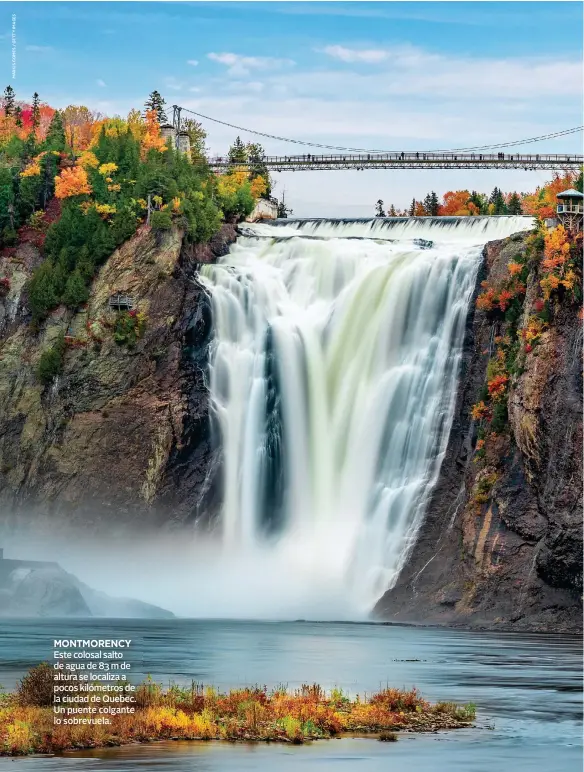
{"x": 333, "y": 372}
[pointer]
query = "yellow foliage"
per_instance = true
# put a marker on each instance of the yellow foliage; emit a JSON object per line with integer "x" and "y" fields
{"x": 88, "y": 160}
{"x": 114, "y": 188}
{"x": 33, "y": 170}
{"x": 105, "y": 210}
{"x": 258, "y": 187}
{"x": 106, "y": 169}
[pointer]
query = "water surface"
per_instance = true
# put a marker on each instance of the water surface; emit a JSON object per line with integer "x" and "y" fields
{"x": 527, "y": 688}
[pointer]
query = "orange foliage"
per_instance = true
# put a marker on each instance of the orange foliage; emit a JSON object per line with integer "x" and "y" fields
{"x": 72, "y": 182}
{"x": 152, "y": 139}
{"x": 497, "y": 387}
{"x": 456, "y": 204}
{"x": 543, "y": 202}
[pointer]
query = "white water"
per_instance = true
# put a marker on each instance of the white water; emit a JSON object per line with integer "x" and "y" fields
{"x": 333, "y": 379}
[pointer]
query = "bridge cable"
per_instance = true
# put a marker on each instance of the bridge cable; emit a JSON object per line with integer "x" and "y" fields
{"x": 363, "y": 150}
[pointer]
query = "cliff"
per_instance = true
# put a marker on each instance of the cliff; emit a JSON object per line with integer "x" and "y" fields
{"x": 501, "y": 544}
{"x": 120, "y": 437}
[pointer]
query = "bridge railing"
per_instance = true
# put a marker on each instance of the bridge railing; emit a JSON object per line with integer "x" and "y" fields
{"x": 372, "y": 158}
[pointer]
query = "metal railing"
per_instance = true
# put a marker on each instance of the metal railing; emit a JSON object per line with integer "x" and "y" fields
{"x": 570, "y": 208}
{"x": 407, "y": 160}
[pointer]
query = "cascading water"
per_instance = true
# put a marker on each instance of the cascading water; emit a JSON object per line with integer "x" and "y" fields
{"x": 333, "y": 378}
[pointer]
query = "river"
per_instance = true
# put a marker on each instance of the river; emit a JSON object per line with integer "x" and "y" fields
{"x": 527, "y": 688}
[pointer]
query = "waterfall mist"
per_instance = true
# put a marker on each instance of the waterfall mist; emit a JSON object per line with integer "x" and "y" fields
{"x": 333, "y": 374}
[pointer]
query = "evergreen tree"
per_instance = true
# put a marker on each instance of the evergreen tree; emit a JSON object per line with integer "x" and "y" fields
{"x": 579, "y": 184}
{"x": 237, "y": 152}
{"x": 156, "y": 102}
{"x": 514, "y": 205}
{"x": 9, "y": 98}
{"x": 36, "y": 111}
{"x": 412, "y": 209}
{"x": 480, "y": 201}
{"x": 379, "y": 208}
{"x": 498, "y": 202}
{"x": 76, "y": 291}
{"x": 431, "y": 204}
{"x": 18, "y": 116}
{"x": 55, "y": 139}
{"x": 391, "y": 211}
{"x": 283, "y": 210}
{"x": 41, "y": 291}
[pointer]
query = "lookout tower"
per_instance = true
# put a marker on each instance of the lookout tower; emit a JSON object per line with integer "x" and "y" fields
{"x": 167, "y": 132}
{"x": 183, "y": 142}
{"x": 571, "y": 209}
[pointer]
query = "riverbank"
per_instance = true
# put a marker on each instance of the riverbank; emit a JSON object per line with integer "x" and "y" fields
{"x": 251, "y": 714}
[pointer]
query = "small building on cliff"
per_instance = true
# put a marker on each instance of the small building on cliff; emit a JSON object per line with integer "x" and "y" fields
{"x": 570, "y": 209}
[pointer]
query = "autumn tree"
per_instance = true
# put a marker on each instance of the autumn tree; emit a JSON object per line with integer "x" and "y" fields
{"x": 156, "y": 102}
{"x": 455, "y": 203}
{"x": 9, "y": 100}
{"x": 72, "y": 182}
{"x": 78, "y": 120}
{"x": 197, "y": 137}
{"x": 257, "y": 165}
{"x": 379, "y": 212}
{"x": 391, "y": 211}
{"x": 237, "y": 152}
{"x": 479, "y": 201}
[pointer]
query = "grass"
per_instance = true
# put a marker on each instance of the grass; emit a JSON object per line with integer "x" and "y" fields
{"x": 203, "y": 713}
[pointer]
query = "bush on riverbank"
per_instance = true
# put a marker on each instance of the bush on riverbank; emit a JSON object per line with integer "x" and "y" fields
{"x": 249, "y": 714}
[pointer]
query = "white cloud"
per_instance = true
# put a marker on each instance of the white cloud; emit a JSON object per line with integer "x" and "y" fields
{"x": 195, "y": 89}
{"x": 192, "y": 62}
{"x": 370, "y": 56}
{"x": 101, "y": 83}
{"x": 242, "y": 65}
{"x": 38, "y": 49}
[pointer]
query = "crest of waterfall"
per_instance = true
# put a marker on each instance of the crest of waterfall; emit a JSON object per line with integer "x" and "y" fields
{"x": 333, "y": 379}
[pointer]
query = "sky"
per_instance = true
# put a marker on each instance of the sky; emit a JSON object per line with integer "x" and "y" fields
{"x": 382, "y": 75}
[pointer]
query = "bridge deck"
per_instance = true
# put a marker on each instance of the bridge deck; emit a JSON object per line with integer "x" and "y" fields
{"x": 415, "y": 160}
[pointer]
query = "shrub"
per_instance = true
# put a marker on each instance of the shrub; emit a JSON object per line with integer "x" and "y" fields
{"x": 128, "y": 327}
{"x": 160, "y": 221}
{"x": 36, "y": 687}
{"x": 51, "y": 362}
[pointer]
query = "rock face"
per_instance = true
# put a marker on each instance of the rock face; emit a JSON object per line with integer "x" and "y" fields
{"x": 515, "y": 561}
{"x": 121, "y": 438}
{"x": 49, "y": 591}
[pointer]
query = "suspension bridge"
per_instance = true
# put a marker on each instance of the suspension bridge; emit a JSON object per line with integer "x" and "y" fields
{"x": 359, "y": 159}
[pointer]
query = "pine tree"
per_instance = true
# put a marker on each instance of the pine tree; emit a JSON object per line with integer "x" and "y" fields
{"x": 55, "y": 139}
{"x": 514, "y": 205}
{"x": 9, "y": 98}
{"x": 412, "y": 209}
{"x": 431, "y": 204}
{"x": 75, "y": 291}
{"x": 497, "y": 199}
{"x": 237, "y": 152}
{"x": 18, "y": 116}
{"x": 156, "y": 102}
{"x": 480, "y": 201}
{"x": 579, "y": 184}
{"x": 36, "y": 111}
{"x": 379, "y": 208}
{"x": 391, "y": 211}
